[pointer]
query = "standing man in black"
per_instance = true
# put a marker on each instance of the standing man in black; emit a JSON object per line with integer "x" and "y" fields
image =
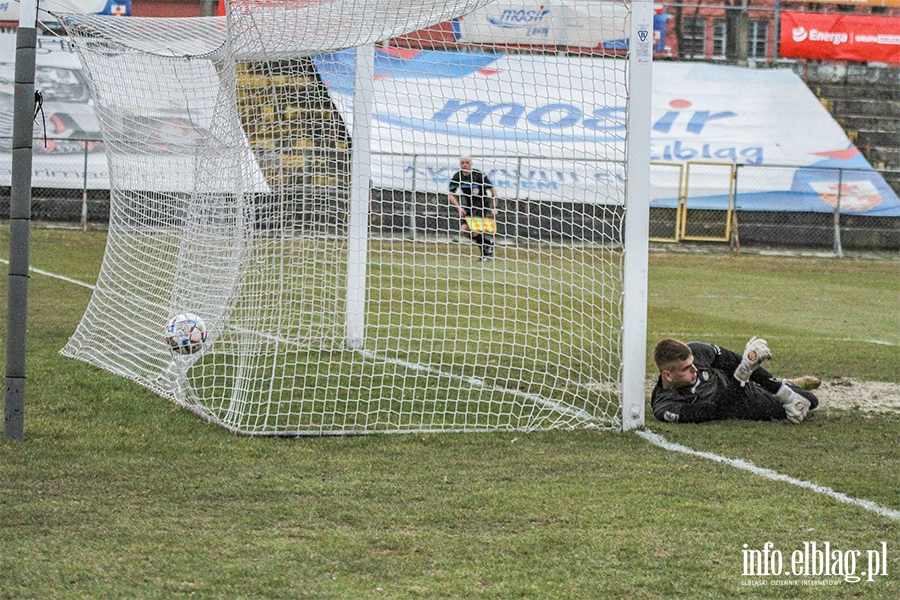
{"x": 702, "y": 382}
{"x": 473, "y": 195}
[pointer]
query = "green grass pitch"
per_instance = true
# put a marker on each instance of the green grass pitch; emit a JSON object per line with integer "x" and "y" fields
{"x": 117, "y": 493}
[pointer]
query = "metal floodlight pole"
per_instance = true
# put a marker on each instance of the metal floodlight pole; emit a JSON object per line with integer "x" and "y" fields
{"x": 20, "y": 221}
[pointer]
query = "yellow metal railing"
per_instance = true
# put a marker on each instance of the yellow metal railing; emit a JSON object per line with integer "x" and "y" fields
{"x": 679, "y": 203}
{"x": 683, "y": 211}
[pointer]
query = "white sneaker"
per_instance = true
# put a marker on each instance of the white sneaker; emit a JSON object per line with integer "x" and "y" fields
{"x": 796, "y": 408}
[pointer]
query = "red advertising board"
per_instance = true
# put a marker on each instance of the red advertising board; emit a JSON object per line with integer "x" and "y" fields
{"x": 864, "y": 2}
{"x": 838, "y": 36}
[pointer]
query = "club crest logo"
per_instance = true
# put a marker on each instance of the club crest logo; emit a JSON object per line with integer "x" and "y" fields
{"x": 853, "y": 195}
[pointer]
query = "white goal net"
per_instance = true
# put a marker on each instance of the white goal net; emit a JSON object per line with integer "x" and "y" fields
{"x": 285, "y": 173}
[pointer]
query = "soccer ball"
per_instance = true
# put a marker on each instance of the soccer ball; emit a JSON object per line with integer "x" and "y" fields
{"x": 185, "y": 333}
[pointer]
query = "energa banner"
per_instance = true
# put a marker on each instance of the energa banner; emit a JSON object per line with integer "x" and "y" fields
{"x": 542, "y": 135}
{"x": 838, "y": 36}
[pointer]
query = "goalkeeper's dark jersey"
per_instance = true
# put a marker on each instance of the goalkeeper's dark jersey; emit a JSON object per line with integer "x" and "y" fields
{"x": 717, "y": 394}
{"x": 473, "y": 191}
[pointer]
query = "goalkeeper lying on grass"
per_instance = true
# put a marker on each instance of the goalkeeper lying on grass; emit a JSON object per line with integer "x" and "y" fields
{"x": 701, "y": 382}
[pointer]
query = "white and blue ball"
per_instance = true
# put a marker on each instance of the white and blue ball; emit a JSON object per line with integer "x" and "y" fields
{"x": 185, "y": 333}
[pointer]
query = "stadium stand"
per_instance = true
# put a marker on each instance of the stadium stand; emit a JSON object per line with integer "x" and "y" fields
{"x": 865, "y": 100}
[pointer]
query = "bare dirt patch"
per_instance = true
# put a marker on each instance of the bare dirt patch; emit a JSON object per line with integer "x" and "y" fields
{"x": 847, "y": 393}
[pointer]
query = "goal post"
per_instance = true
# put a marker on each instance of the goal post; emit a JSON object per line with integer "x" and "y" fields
{"x": 283, "y": 174}
{"x": 637, "y": 221}
{"x": 358, "y": 226}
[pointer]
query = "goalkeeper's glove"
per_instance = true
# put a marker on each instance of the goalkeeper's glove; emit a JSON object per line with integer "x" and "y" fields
{"x": 755, "y": 352}
{"x": 795, "y": 405}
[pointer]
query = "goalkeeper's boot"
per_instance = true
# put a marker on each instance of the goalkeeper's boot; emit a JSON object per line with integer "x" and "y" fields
{"x": 807, "y": 382}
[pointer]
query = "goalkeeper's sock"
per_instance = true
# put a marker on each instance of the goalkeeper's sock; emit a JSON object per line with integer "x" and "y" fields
{"x": 488, "y": 248}
{"x": 807, "y": 382}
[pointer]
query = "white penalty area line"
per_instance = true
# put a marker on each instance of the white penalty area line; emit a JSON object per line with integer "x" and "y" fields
{"x": 54, "y": 275}
{"x": 658, "y": 440}
{"x": 681, "y": 334}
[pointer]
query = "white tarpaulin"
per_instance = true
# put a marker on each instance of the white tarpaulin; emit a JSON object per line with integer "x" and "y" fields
{"x": 432, "y": 106}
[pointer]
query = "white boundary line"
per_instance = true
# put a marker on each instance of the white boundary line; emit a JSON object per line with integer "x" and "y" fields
{"x": 476, "y": 382}
{"x": 658, "y": 440}
{"x": 55, "y": 276}
{"x": 653, "y": 438}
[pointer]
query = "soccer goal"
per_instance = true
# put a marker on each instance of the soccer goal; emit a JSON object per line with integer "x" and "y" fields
{"x": 281, "y": 176}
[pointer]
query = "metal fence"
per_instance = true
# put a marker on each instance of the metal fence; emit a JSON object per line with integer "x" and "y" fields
{"x": 693, "y": 202}
{"x": 824, "y": 207}
{"x": 70, "y": 180}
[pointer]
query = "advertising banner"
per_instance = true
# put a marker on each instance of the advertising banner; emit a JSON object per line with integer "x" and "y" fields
{"x": 836, "y": 36}
{"x": 67, "y": 118}
{"x": 584, "y": 23}
{"x": 67, "y": 151}
{"x": 9, "y": 9}
{"x": 540, "y": 133}
{"x": 564, "y": 22}
{"x": 886, "y": 3}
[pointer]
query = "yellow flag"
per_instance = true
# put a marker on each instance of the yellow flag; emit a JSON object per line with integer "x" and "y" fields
{"x": 481, "y": 224}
